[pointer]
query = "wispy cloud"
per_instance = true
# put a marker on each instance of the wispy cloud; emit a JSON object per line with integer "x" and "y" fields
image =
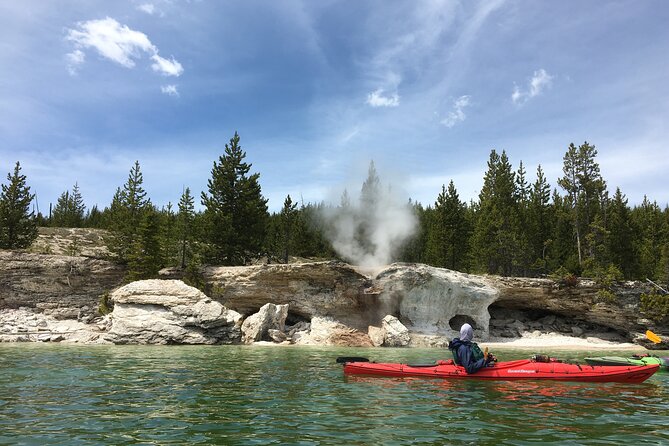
{"x": 74, "y": 60}
{"x": 539, "y": 82}
{"x": 166, "y": 67}
{"x": 148, "y": 8}
{"x": 458, "y": 113}
{"x": 170, "y": 90}
{"x": 378, "y": 99}
{"x": 117, "y": 43}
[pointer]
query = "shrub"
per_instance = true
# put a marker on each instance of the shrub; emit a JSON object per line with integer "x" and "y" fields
{"x": 564, "y": 277}
{"x": 655, "y": 306}
{"x": 607, "y": 296}
{"x": 105, "y": 305}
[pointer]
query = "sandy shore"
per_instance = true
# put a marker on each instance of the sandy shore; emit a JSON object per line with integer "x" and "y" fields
{"x": 557, "y": 341}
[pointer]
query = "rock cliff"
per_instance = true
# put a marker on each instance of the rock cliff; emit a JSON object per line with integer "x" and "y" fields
{"x": 64, "y": 287}
{"x": 430, "y": 302}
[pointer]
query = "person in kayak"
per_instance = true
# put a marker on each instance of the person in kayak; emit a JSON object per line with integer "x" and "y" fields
{"x": 467, "y": 353}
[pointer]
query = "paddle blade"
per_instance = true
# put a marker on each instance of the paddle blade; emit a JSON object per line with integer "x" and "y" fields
{"x": 653, "y": 337}
{"x": 345, "y": 359}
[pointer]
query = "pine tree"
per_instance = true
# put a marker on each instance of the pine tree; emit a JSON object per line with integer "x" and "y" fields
{"x": 288, "y": 217}
{"x": 169, "y": 238}
{"x": 522, "y": 188}
{"x": 447, "y": 244}
{"x": 78, "y": 208}
{"x": 369, "y": 200}
{"x": 60, "y": 213}
{"x": 371, "y": 188}
{"x": 495, "y": 242}
{"x": 585, "y": 188}
{"x": 523, "y": 257}
{"x": 185, "y": 220}
{"x": 236, "y": 211}
{"x": 126, "y": 213}
{"x": 94, "y": 218}
{"x": 539, "y": 221}
{"x": 18, "y": 228}
{"x": 621, "y": 236}
{"x": 662, "y": 273}
{"x": 146, "y": 254}
{"x": 69, "y": 210}
{"x": 310, "y": 240}
{"x": 415, "y": 249}
{"x": 647, "y": 224}
{"x": 561, "y": 248}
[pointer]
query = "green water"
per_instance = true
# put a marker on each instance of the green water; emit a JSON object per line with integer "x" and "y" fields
{"x": 122, "y": 395}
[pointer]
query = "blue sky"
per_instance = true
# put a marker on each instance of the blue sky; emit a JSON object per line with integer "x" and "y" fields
{"x": 316, "y": 89}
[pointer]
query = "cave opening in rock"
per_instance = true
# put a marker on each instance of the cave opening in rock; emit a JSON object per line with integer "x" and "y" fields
{"x": 456, "y": 322}
{"x": 294, "y": 318}
{"x": 514, "y": 321}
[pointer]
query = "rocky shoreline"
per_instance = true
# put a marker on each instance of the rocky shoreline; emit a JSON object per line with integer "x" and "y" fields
{"x": 50, "y": 298}
{"x": 23, "y": 325}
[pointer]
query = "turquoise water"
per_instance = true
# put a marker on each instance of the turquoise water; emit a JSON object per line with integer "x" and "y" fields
{"x": 123, "y": 395}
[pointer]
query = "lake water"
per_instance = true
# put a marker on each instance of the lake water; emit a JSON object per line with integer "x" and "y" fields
{"x": 126, "y": 395}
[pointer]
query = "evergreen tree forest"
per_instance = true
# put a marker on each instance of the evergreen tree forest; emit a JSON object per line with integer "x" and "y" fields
{"x": 519, "y": 225}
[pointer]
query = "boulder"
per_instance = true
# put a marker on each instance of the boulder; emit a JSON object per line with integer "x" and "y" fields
{"x": 269, "y": 316}
{"x": 170, "y": 312}
{"x": 277, "y": 335}
{"x": 300, "y": 327}
{"x": 376, "y": 335}
{"x": 396, "y": 334}
{"x": 327, "y": 331}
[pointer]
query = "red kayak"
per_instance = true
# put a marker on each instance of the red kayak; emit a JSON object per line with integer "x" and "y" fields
{"x": 511, "y": 370}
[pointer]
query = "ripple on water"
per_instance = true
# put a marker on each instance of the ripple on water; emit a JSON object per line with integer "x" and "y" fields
{"x": 239, "y": 395}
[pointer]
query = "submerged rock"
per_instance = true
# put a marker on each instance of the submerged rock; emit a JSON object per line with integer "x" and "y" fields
{"x": 170, "y": 312}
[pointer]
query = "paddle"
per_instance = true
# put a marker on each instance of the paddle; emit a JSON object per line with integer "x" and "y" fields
{"x": 345, "y": 359}
{"x": 653, "y": 337}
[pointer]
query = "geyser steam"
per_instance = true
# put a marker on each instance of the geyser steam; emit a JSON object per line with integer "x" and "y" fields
{"x": 370, "y": 231}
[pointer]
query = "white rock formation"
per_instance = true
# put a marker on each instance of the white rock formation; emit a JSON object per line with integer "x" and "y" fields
{"x": 428, "y": 298}
{"x": 170, "y": 312}
{"x": 376, "y": 335}
{"x": 23, "y": 325}
{"x": 270, "y": 316}
{"x": 396, "y": 334}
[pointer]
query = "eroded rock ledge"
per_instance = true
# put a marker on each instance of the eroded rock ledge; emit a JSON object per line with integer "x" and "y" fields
{"x": 318, "y": 303}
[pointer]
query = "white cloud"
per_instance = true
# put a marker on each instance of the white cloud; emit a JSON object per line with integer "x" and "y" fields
{"x": 74, "y": 60}
{"x": 148, "y": 8}
{"x": 170, "y": 90}
{"x": 377, "y": 99}
{"x": 540, "y": 81}
{"x": 119, "y": 44}
{"x": 458, "y": 113}
{"x": 166, "y": 67}
{"x": 112, "y": 40}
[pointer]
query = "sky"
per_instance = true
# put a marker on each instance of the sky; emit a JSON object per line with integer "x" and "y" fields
{"x": 318, "y": 89}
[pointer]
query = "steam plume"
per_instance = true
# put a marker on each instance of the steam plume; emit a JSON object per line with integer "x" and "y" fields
{"x": 370, "y": 232}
